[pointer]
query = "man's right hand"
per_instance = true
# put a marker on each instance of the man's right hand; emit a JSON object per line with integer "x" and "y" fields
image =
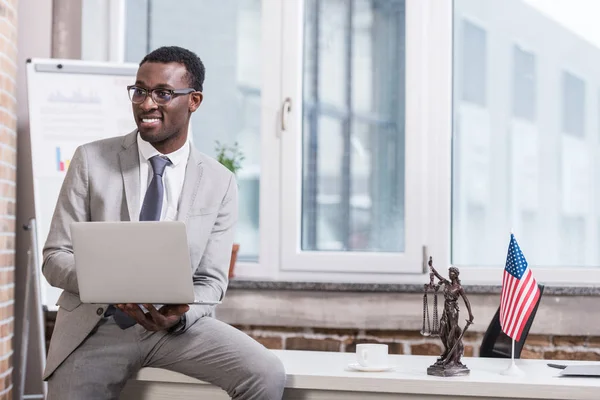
{"x": 155, "y": 320}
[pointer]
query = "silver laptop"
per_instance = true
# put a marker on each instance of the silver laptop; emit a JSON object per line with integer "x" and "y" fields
{"x": 133, "y": 262}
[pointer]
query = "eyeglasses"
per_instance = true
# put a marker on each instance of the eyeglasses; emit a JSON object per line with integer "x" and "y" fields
{"x": 161, "y": 97}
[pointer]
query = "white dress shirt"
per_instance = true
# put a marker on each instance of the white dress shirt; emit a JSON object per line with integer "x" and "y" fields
{"x": 173, "y": 176}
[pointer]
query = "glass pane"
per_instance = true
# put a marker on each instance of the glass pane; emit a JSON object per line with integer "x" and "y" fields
{"x": 226, "y": 35}
{"x": 526, "y": 122}
{"x": 353, "y": 126}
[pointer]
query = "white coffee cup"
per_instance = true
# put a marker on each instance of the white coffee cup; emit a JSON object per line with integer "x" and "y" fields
{"x": 372, "y": 354}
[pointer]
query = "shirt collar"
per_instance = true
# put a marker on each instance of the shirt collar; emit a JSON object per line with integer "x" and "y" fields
{"x": 147, "y": 151}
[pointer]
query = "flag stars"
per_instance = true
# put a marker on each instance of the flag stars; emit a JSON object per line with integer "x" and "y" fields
{"x": 516, "y": 264}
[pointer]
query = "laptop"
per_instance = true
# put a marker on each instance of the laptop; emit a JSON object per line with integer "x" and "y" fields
{"x": 581, "y": 370}
{"x": 133, "y": 262}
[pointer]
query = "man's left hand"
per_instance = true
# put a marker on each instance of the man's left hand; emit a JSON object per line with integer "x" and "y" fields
{"x": 155, "y": 320}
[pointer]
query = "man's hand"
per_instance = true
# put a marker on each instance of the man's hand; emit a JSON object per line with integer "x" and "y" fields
{"x": 155, "y": 320}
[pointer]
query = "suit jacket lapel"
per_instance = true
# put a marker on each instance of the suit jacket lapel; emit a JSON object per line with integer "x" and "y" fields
{"x": 191, "y": 182}
{"x": 130, "y": 170}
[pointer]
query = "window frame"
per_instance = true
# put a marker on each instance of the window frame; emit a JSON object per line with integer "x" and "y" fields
{"x": 387, "y": 266}
{"x": 432, "y": 57}
{"x": 108, "y": 44}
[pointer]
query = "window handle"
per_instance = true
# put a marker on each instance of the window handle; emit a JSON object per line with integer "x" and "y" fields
{"x": 286, "y": 108}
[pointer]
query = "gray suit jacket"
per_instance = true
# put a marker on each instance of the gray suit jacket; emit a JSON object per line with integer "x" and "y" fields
{"x": 102, "y": 184}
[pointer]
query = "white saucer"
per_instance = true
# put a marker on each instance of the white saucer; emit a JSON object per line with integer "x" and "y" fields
{"x": 358, "y": 367}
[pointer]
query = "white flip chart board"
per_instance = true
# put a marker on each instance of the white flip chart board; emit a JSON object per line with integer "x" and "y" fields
{"x": 71, "y": 102}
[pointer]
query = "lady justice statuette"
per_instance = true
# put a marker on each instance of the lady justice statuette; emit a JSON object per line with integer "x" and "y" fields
{"x": 447, "y": 328}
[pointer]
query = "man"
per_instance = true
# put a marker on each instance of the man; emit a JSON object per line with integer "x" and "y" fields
{"x": 152, "y": 173}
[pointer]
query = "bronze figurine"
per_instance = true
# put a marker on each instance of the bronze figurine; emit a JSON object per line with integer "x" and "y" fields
{"x": 427, "y": 288}
{"x": 451, "y": 334}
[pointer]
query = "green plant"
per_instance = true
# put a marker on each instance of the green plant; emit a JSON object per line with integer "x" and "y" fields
{"x": 230, "y": 156}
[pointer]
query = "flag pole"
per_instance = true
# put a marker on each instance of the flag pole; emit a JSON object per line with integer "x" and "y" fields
{"x": 512, "y": 353}
{"x": 513, "y": 370}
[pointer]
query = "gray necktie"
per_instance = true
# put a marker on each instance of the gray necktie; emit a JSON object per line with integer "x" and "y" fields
{"x": 152, "y": 205}
{"x": 151, "y": 210}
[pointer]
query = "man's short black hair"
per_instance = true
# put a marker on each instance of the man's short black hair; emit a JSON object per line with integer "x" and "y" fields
{"x": 192, "y": 63}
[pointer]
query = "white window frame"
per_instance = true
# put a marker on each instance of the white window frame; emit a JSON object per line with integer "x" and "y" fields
{"x": 277, "y": 144}
{"x": 429, "y": 60}
{"x": 103, "y": 30}
{"x": 272, "y": 114}
{"x": 293, "y": 258}
{"x": 108, "y": 44}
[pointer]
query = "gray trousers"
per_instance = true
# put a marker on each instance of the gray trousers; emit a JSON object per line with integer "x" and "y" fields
{"x": 209, "y": 350}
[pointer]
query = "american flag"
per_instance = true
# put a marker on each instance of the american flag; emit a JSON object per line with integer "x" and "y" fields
{"x": 520, "y": 292}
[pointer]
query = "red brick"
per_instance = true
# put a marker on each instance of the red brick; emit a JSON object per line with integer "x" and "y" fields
{"x": 336, "y": 332}
{"x": 279, "y": 329}
{"x": 282, "y": 329}
{"x": 572, "y": 355}
{"x": 468, "y": 351}
{"x": 593, "y": 342}
{"x": 532, "y": 354}
{"x": 426, "y": 349}
{"x": 302, "y": 343}
{"x": 569, "y": 340}
{"x": 473, "y": 337}
{"x": 396, "y": 335}
{"x": 7, "y": 225}
{"x": 270, "y": 342}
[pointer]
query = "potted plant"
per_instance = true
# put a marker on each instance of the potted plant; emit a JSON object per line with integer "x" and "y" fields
{"x": 231, "y": 157}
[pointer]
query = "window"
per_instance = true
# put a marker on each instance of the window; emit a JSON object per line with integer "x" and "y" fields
{"x": 227, "y": 37}
{"x": 353, "y": 126}
{"x": 379, "y": 132}
{"x": 524, "y": 92}
{"x": 523, "y": 150}
{"x": 576, "y": 166}
{"x": 350, "y": 204}
{"x": 473, "y": 163}
{"x": 473, "y": 64}
{"x": 598, "y": 112}
{"x": 572, "y": 252}
{"x": 573, "y": 105}
{"x": 527, "y": 140}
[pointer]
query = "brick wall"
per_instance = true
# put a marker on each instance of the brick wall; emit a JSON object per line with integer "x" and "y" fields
{"x": 404, "y": 342}
{"x": 8, "y": 159}
{"x": 411, "y": 342}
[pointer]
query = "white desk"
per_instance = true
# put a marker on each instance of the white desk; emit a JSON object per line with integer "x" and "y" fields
{"x": 325, "y": 376}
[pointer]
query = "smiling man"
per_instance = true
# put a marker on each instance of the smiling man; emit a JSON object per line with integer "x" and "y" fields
{"x": 152, "y": 173}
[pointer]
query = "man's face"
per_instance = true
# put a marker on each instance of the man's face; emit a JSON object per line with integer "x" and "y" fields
{"x": 164, "y": 126}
